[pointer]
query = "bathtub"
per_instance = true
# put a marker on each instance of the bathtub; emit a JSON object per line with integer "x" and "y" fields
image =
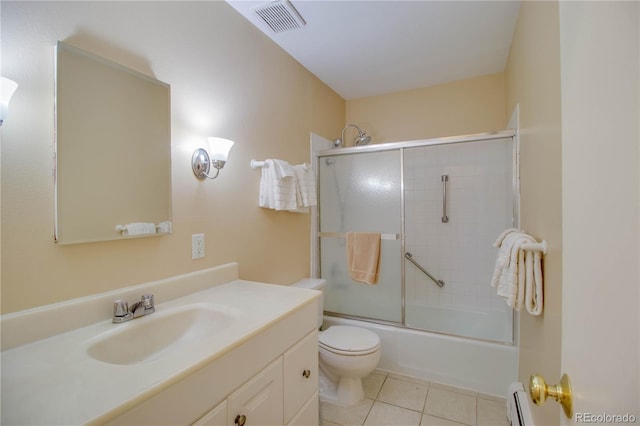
{"x": 476, "y": 365}
{"x": 490, "y": 325}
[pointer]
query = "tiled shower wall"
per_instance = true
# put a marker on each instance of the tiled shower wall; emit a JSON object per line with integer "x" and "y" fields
{"x": 479, "y": 207}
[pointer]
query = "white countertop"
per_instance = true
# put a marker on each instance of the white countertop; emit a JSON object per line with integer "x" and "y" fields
{"x": 55, "y": 382}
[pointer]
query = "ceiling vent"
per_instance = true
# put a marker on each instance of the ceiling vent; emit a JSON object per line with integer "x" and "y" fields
{"x": 280, "y": 16}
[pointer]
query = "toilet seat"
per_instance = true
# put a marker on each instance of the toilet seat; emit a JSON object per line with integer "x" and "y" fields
{"x": 348, "y": 340}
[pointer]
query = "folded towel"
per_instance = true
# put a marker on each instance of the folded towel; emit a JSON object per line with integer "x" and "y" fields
{"x": 305, "y": 185}
{"x": 287, "y": 187}
{"x": 165, "y": 226}
{"x": 278, "y": 186}
{"x": 518, "y": 273}
{"x": 363, "y": 256}
{"x": 140, "y": 228}
{"x": 533, "y": 301}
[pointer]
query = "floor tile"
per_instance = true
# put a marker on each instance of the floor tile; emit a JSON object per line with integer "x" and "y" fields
{"x": 456, "y": 406}
{"x": 389, "y": 415}
{"x": 346, "y": 415}
{"x": 492, "y": 413}
{"x": 500, "y": 399}
{"x": 403, "y": 393}
{"x": 428, "y": 420}
{"x": 390, "y": 398}
{"x": 372, "y": 384}
{"x": 408, "y": 378}
{"x": 454, "y": 389}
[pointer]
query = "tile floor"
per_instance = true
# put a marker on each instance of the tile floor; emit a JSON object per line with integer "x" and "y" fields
{"x": 395, "y": 400}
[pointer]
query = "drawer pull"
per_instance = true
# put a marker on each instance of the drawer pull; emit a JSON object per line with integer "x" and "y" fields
{"x": 306, "y": 373}
{"x": 240, "y": 420}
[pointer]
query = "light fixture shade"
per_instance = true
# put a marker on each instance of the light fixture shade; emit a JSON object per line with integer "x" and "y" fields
{"x": 219, "y": 148}
{"x": 7, "y": 87}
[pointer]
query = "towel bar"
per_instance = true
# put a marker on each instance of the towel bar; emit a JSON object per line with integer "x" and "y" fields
{"x": 343, "y": 235}
{"x": 541, "y": 247}
{"x": 255, "y": 164}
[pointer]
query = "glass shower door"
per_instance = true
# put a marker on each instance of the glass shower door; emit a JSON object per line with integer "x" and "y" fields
{"x": 361, "y": 193}
{"x": 458, "y": 199}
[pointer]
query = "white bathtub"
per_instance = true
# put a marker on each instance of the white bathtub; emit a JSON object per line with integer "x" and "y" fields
{"x": 492, "y": 325}
{"x": 471, "y": 364}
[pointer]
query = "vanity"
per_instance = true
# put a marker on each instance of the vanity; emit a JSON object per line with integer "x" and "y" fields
{"x": 217, "y": 351}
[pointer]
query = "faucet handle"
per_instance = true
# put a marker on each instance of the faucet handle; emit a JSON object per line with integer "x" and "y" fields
{"x": 121, "y": 311}
{"x": 120, "y": 308}
{"x": 147, "y": 301}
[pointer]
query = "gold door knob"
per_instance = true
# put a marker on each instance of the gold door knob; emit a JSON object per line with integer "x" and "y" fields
{"x": 240, "y": 420}
{"x": 306, "y": 373}
{"x": 562, "y": 392}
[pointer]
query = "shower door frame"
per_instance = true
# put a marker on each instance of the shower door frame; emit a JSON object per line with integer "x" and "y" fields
{"x": 400, "y": 147}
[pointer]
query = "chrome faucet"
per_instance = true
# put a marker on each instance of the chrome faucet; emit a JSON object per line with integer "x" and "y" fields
{"x": 122, "y": 312}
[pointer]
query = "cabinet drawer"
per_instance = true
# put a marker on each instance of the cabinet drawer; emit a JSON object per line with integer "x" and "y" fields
{"x": 309, "y": 414}
{"x": 300, "y": 374}
{"x": 259, "y": 401}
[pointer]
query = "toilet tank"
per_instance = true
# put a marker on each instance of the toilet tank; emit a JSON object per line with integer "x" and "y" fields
{"x": 314, "y": 284}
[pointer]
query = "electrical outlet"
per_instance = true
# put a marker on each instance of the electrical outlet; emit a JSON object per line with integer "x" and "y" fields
{"x": 197, "y": 246}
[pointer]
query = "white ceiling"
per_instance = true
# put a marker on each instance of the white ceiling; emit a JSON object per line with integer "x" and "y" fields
{"x": 363, "y": 48}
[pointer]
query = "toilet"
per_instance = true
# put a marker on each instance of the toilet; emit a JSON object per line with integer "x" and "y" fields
{"x": 347, "y": 354}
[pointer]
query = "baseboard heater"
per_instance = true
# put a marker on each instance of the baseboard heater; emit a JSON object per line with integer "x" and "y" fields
{"x": 518, "y": 408}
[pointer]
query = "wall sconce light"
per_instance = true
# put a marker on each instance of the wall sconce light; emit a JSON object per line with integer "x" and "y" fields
{"x": 7, "y": 87}
{"x": 201, "y": 161}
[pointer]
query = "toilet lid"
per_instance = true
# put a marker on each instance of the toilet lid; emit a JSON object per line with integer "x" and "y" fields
{"x": 344, "y": 338}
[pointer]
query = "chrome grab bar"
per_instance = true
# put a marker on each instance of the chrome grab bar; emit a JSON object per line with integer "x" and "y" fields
{"x": 445, "y": 179}
{"x": 438, "y": 282}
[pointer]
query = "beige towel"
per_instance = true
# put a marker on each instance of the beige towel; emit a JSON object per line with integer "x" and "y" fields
{"x": 363, "y": 256}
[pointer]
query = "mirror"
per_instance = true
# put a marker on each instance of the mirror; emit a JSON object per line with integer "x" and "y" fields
{"x": 113, "y": 150}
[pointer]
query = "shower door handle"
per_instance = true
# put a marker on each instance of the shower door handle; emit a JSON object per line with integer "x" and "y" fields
{"x": 445, "y": 179}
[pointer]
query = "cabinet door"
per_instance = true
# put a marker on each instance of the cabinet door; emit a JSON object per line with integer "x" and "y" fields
{"x": 300, "y": 374}
{"x": 215, "y": 417}
{"x": 309, "y": 414}
{"x": 259, "y": 401}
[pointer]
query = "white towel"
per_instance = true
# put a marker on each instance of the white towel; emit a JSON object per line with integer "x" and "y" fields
{"x": 278, "y": 186}
{"x": 140, "y": 228}
{"x": 305, "y": 185}
{"x": 518, "y": 273}
{"x": 165, "y": 226}
{"x": 533, "y": 301}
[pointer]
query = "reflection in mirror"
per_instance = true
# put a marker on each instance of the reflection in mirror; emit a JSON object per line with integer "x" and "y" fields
{"x": 113, "y": 150}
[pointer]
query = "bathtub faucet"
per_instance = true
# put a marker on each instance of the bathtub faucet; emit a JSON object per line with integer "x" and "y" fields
{"x": 122, "y": 312}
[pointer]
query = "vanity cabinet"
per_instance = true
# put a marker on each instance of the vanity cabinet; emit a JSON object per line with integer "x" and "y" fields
{"x": 283, "y": 393}
{"x": 259, "y": 401}
{"x": 270, "y": 379}
{"x": 300, "y": 376}
{"x": 215, "y": 417}
{"x": 214, "y": 350}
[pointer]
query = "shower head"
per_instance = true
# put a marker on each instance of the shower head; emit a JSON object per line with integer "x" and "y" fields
{"x": 361, "y": 139}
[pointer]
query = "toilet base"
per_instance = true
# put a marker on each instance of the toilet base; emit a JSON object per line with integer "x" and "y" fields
{"x": 346, "y": 393}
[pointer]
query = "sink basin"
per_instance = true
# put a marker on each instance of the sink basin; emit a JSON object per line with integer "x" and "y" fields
{"x": 150, "y": 337}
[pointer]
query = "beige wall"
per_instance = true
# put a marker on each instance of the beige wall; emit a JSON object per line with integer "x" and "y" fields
{"x": 227, "y": 79}
{"x": 461, "y": 107}
{"x": 533, "y": 82}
